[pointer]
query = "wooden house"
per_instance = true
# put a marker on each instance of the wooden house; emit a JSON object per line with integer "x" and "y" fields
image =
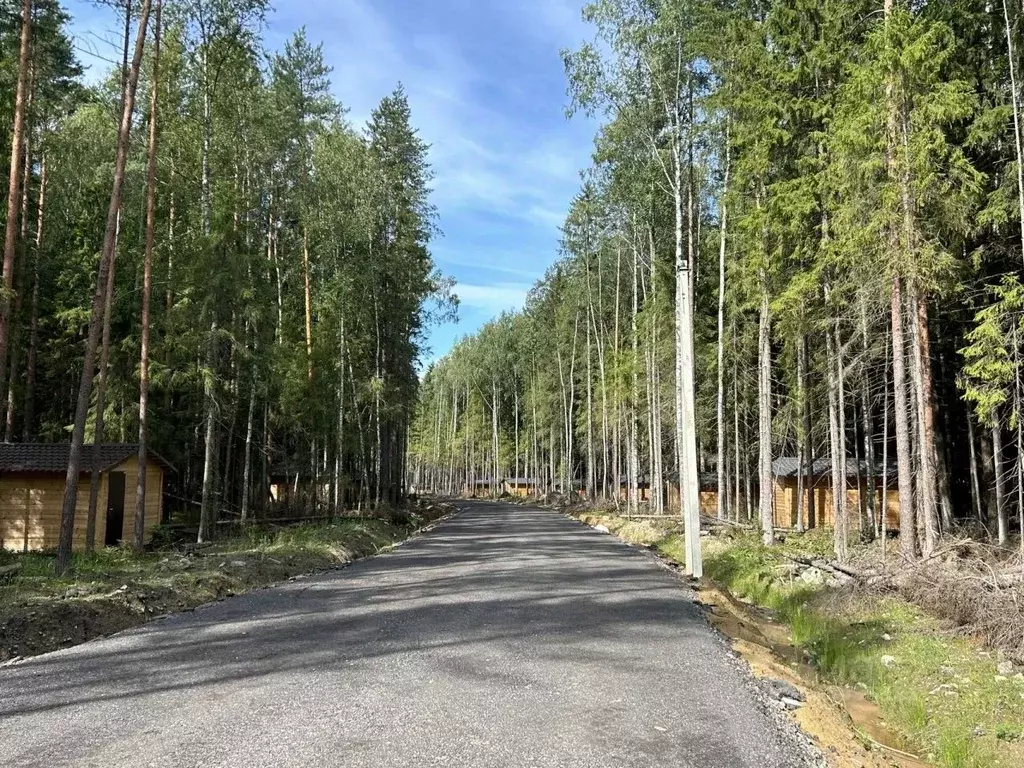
{"x": 861, "y": 485}
{"x": 708, "y": 494}
{"x": 643, "y": 488}
{"x": 483, "y": 486}
{"x": 32, "y": 493}
{"x": 522, "y": 487}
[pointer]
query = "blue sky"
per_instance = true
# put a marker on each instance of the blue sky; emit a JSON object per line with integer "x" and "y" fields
{"x": 487, "y": 90}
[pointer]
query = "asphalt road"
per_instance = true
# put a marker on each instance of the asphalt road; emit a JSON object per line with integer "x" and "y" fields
{"x": 506, "y": 637}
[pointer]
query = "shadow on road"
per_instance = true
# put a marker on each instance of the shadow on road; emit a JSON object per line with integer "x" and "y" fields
{"x": 475, "y": 580}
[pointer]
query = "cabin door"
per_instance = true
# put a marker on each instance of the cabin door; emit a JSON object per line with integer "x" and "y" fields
{"x": 115, "y": 508}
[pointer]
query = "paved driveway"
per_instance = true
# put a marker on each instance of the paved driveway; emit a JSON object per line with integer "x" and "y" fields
{"x": 506, "y": 637}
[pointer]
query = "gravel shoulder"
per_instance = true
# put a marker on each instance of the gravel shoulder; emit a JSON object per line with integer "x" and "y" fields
{"x": 507, "y": 636}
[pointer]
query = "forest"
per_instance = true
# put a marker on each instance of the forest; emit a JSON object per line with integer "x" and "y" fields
{"x": 801, "y": 235}
{"x": 203, "y": 255}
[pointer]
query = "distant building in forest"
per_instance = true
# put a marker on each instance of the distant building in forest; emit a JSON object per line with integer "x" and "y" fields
{"x": 861, "y": 486}
{"x": 520, "y": 486}
{"x": 32, "y": 479}
{"x": 786, "y": 484}
{"x": 482, "y": 486}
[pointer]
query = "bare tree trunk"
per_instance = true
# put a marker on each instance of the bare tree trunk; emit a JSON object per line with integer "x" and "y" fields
{"x": 67, "y": 523}
{"x": 975, "y": 482}
{"x": 169, "y": 297}
{"x": 836, "y": 454}
{"x": 634, "y": 406}
{"x": 736, "y": 421}
{"x": 1017, "y": 398}
{"x": 908, "y": 527}
{"x": 14, "y": 182}
{"x": 807, "y": 469}
{"x": 247, "y": 469}
{"x": 616, "y": 433}
{"x": 19, "y": 276}
{"x": 591, "y": 469}
{"x": 926, "y": 486}
{"x": 33, "y": 334}
{"x": 884, "y": 522}
{"x": 1002, "y": 517}
{"x": 720, "y": 411}
{"x": 309, "y": 302}
{"x": 147, "y": 289}
{"x": 339, "y": 493}
{"x": 869, "y": 530}
{"x": 1011, "y": 56}
{"x": 209, "y": 442}
{"x": 764, "y": 411}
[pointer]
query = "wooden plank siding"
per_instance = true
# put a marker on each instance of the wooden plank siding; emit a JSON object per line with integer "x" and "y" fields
{"x": 785, "y": 504}
{"x": 30, "y": 507}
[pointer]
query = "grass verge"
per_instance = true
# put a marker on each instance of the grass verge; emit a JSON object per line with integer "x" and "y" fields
{"x": 959, "y": 704}
{"x": 114, "y": 589}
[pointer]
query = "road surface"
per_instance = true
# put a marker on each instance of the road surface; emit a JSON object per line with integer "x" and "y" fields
{"x": 506, "y": 637}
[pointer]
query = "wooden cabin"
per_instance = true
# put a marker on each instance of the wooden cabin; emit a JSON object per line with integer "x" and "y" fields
{"x": 643, "y": 488}
{"x": 786, "y": 472}
{"x": 32, "y": 493}
{"x": 522, "y": 487}
{"x": 708, "y": 495}
{"x": 483, "y": 486}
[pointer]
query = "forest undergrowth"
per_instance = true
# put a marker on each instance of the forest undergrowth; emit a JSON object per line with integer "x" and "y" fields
{"x": 117, "y": 588}
{"x": 937, "y": 649}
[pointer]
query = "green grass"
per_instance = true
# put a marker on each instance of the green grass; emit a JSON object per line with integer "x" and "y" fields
{"x": 940, "y": 692}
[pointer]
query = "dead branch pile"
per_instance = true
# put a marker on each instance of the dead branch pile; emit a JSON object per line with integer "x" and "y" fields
{"x": 987, "y": 605}
{"x": 972, "y": 586}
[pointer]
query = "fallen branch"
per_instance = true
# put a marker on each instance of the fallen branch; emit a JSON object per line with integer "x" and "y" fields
{"x": 842, "y": 572}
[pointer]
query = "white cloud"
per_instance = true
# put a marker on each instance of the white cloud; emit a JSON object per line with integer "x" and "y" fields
{"x": 495, "y": 298}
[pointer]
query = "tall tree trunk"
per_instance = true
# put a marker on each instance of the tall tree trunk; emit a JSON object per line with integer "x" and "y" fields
{"x": 764, "y": 412}
{"x": 339, "y": 454}
{"x": 807, "y": 470}
{"x": 14, "y": 183}
{"x": 720, "y": 410}
{"x": 908, "y": 517}
{"x": 1015, "y": 96}
{"x": 28, "y": 426}
{"x": 868, "y": 528}
{"x": 591, "y": 468}
{"x": 209, "y": 440}
{"x": 1002, "y": 516}
{"x": 247, "y": 469}
{"x": 19, "y": 272}
{"x": 67, "y": 523}
{"x": 169, "y": 297}
{"x": 884, "y": 506}
{"x": 976, "y": 497}
{"x": 927, "y": 484}
{"x": 147, "y": 289}
{"x": 634, "y": 406}
{"x": 837, "y": 457}
{"x": 308, "y": 303}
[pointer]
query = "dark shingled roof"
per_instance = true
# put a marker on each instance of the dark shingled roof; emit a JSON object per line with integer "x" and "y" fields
{"x": 789, "y": 466}
{"x": 53, "y": 457}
